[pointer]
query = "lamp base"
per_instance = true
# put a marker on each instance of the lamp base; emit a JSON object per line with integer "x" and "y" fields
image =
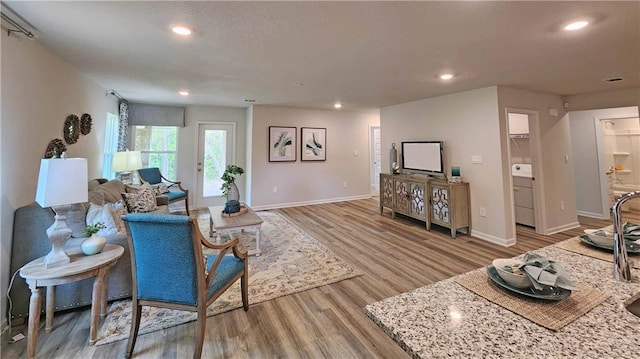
{"x": 126, "y": 177}
{"x": 58, "y": 234}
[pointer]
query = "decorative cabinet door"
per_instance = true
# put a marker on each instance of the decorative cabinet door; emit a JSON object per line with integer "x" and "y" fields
{"x": 386, "y": 191}
{"x": 403, "y": 202}
{"x": 417, "y": 199}
{"x": 440, "y": 204}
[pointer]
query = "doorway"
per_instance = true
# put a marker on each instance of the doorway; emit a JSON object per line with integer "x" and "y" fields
{"x": 526, "y": 183}
{"x": 216, "y": 149}
{"x": 375, "y": 155}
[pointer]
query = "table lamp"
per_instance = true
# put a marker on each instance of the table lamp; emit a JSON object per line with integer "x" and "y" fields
{"x": 125, "y": 162}
{"x": 61, "y": 183}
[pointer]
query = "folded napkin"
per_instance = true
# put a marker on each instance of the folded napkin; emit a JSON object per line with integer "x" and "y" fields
{"x": 631, "y": 231}
{"x": 543, "y": 271}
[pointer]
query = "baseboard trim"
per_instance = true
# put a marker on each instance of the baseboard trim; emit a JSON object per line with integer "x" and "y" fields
{"x": 562, "y": 228}
{"x": 592, "y": 215}
{"x": 308, "y": 203}
{"x": 505, "y": 242}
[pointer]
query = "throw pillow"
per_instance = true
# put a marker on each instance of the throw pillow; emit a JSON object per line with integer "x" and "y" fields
{"x": 142, "y": 201}
{"x": 107, "y": 216}
{"x": 161, "y": 189}
{"x": 119, "y": 206}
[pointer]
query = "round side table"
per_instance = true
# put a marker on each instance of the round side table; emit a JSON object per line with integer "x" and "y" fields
{"x": 80, "y": 267}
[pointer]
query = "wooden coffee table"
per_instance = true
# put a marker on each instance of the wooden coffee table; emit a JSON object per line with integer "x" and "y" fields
{"x": 220, "y": 225}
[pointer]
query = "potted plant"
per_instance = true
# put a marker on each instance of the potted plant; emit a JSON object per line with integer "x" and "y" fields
{"x": 229, "y": 188}
{"x": 95, "y": 243}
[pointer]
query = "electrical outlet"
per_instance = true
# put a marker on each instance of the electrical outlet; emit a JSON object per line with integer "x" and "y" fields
{"x": 483, "y": 212}
{"x": 344, "y": 184}
{"x": 275, "y": 189}
{"x": 562, "y": 205}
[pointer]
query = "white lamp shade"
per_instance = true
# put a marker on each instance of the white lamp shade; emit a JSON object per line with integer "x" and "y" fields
{"x": 126, "y": 161}
{"x": 62, "y": 181}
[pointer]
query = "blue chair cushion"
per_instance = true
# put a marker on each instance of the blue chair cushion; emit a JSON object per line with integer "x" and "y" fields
{"x": 175, "y": 195}
{"x": 229, "y": 268}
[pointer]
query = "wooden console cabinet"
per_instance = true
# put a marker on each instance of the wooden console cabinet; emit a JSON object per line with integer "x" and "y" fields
{"x": 429, "y": 200}
{"x": 449, "y": 206}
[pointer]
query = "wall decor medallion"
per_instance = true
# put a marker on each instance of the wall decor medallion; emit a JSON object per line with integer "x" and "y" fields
{"x": 55, "y": 148}
{"x": 282, "y": 144}
{"x": 85, "y": 124}
{"x": 71, "y": 129}
{"x": 314, "y": 144}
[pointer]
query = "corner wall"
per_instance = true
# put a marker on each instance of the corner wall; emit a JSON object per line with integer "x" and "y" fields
{"x": 468, "y": 123}
{"x": 302, "y": 183}
{"x": 40, "y": 91}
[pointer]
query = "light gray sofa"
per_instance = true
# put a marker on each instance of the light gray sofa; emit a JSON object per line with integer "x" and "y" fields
{"x": 30, "y": 241}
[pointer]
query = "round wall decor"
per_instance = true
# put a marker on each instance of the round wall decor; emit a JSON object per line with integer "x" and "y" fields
{"x": 55, "y": 149}
{"x": 71, "y": 129}
{"x": 85, "y": 124}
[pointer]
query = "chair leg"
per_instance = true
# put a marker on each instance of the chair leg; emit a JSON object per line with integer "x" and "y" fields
{"x": 186, "y": 203}
{"x": 201, "y": 325}
{"x": 136, "y": 312}
{"x": 244, "y": 284}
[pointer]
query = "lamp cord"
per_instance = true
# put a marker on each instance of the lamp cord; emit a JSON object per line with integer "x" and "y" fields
{"x": 13, "y": 277}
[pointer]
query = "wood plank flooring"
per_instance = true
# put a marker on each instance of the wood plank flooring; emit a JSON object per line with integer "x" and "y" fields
{"x": 395, "y": 255}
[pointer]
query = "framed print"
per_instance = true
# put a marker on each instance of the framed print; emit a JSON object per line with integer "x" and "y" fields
{"x": 314, "y": 144}
{"x": 282, "y": 144}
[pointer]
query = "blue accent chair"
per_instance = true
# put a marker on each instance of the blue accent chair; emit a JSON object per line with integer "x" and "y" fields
{"x": 169, "y": 269}
{"x": 153, "y": 176}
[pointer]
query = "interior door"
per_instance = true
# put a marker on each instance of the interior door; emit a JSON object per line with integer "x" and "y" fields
{"x": 376, "y": 160}
{"x": 216, "y": 144}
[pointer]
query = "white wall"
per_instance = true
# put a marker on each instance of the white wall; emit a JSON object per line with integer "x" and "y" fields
{"x": 468, "y": 123}
{"x": 604, "y": 99}
{"x": 585, "y": 160}
{"x": 188, "y": 143}
{"x": 40, "y": 91}
{"x": 317, "y": 181}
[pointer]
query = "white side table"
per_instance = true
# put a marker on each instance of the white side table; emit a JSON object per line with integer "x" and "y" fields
{"x": 80, "y": 267}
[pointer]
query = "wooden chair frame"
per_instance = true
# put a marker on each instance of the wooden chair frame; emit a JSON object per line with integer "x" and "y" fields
{"x": 171, "y": 184}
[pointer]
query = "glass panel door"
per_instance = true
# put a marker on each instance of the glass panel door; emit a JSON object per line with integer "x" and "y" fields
{"x": 215, "y": 152}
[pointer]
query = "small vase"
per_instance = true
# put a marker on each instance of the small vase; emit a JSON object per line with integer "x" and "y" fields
{"x": 233, "y": 194}
{"x": 93, "y": 245}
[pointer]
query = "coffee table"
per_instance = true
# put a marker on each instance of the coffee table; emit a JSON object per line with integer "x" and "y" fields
{"x": 220, "y": 225}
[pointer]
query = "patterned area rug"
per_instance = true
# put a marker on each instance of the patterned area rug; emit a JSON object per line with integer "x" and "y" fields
{"x": 291, "y": 261}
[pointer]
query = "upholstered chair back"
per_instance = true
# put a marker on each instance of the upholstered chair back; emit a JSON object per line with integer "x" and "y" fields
{"x": 163, "y": 249}
{"x": 151, "y": 175}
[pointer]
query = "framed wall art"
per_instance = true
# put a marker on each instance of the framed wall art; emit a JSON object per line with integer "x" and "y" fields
{"x": 282, "y": 144}
{"x": 314, "y": 144}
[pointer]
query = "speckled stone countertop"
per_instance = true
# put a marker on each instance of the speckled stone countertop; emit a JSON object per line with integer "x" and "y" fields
{"x": 447, "y": 320}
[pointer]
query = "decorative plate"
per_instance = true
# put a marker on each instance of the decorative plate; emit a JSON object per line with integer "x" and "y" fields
{"x": 547, "y": 293}
{"x": 55, "y": 148}
{"x": 71, "y": 129}
{"x": 85, "y": 124}
{"x": 632, "y": 247}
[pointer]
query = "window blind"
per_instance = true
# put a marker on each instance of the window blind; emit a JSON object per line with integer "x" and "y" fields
{"x": 155, "y": 115}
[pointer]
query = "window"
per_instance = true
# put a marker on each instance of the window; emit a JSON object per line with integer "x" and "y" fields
{"x": 110, "y": 144}
{"x": 158, "y": 145}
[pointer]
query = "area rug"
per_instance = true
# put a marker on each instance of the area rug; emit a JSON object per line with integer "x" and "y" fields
{"x": 291, "y": 261}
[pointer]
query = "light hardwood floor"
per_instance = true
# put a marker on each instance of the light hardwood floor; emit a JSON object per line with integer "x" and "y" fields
{"x": 395, "y": 255}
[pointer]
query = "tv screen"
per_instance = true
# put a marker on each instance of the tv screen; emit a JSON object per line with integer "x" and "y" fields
{"x": 423, "y": 156}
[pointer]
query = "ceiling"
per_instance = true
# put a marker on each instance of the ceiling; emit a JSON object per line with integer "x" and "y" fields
{"x": 365, "y": 55}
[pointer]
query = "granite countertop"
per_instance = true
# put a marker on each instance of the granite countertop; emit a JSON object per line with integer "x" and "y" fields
{"x": 445, "y": 319}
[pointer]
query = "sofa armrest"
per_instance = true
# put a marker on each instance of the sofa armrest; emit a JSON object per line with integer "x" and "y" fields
{"x": 162, "y": 200}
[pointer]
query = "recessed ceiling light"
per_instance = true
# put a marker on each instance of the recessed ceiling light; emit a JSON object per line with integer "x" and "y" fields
{"x": 184, "y": 93}
{"x": 181, "y": 30}
{"x": 446, "y": 76}
{"x": 576, "y": 25}
{"x": 337, "y": 105}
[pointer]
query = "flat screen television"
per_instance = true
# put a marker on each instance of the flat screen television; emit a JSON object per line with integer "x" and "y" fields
{"x": 423, "y": 156}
